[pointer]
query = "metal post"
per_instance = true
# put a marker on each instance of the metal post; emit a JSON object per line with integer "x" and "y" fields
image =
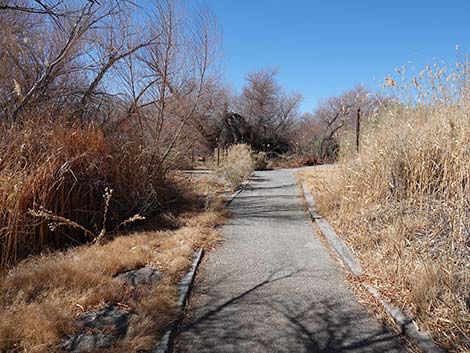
{"x": 358, "y": 129}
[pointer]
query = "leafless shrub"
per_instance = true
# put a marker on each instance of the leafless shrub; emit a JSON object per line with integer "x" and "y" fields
{"x": 238, "y": 165}
{"x": 318, "y": 134}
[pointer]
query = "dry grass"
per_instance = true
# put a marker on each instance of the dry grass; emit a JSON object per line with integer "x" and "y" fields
{"x": 66, "y": 169}
{"x": 41, "y": 296}
{"x": 295, "y": 161}
{"x": 238, "y": 165}
{"x": 322, "y": 180}
{"x": 403, "y": 205}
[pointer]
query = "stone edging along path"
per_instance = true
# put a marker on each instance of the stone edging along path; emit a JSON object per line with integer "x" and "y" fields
{"x": 166, "y": 343}
{"x": 420, "y": 338}
{"x": 230, "y": 196}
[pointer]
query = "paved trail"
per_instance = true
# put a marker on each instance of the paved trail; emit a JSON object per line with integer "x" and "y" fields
{"x": 272, "y": 287}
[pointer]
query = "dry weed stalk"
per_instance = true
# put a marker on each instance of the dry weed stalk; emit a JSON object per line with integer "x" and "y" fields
{"x": 403, "y": 202}
{"x": 55, "y": 221}
{"x": 64, "y": 168}
{"x": 49, "y": 290}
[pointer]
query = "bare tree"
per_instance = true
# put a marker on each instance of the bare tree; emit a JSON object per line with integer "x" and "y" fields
{"x": 63, "y": 51}
{"x": 49, "y": 8}
{"x": 53, "y": 50}
{"x": 340, "y": 113}
{"x": 306, "y": 135}
{"x": 267, "y": 109}
{"x": 117, "y": 40}
{"x": 168, "y": 80}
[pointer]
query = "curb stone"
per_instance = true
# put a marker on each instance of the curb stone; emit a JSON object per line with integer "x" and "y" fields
{"x": 420, "y": 338}
{"x": 166, "y": 343}
{"x": 345, "y": 254}
{"x": 229, "y": 197}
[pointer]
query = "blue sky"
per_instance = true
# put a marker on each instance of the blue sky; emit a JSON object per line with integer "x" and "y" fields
{"x": 322, "y": 48}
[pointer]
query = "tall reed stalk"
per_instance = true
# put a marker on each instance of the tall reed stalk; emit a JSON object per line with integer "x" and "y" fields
{"x": 403, "y": 202}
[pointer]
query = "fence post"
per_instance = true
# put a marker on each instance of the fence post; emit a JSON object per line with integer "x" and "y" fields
{"x": 358, "y": 129}
{"x": 192, "y": 157}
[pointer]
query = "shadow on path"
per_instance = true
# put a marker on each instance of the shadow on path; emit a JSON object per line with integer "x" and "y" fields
{"x": 271, "y": 285}
{"x": 293, "y": 324}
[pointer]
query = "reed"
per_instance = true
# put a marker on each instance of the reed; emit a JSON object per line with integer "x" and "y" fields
{"x": 403, "y": 202}
{"x": 54, "y": 169}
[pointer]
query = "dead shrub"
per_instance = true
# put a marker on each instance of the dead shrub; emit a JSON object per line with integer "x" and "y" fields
{"x": 259, "y": 161}
{"x": 238, "y": 165}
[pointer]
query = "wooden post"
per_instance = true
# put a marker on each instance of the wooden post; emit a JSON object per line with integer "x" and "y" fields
{"x": 192, "y": 157}
{"x": 322, "y": 146}
{"x": 358, "y": 129}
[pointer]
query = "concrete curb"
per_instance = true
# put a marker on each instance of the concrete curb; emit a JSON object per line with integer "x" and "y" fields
{"x": 229, "y": 197}
{"x": 345, "y": 254}
{"x": 166, "y": 343}
{"x": 420, "y": 338}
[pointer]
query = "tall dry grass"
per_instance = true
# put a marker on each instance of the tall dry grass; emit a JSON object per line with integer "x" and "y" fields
{"x": 65, "y": 168}
{"x": 41, "y": 297}
{"x": 238, "y": 165}
{"x": 403, "y": 202}
{"x": 70, "y": 170}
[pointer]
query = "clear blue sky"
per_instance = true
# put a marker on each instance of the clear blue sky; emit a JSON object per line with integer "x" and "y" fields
{"x": 325, "y": 47}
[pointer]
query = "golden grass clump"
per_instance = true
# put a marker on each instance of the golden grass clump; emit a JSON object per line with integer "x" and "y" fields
{"x": 66, "y": 169}
{"x": 403, "y": 202}
{"x": 40, "y": 297}
{"x": 238, "y": 165}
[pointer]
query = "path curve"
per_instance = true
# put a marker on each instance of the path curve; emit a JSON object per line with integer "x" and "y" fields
{"x": 271, "y": 286}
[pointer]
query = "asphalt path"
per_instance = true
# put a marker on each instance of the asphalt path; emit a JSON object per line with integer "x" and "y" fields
{"x": 271, "y": 286}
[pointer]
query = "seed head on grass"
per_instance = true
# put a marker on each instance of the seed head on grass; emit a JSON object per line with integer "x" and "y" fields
{"x": 402, "y": 203}
{"x": 238, "y": 165}
{"x": 55, "y": 221}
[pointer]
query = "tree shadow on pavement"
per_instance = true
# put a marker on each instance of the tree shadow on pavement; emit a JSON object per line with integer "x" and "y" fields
{"x": 253, "y": 322}
{"x": 276, "y": 207}
{"x": 257, "y": 186}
